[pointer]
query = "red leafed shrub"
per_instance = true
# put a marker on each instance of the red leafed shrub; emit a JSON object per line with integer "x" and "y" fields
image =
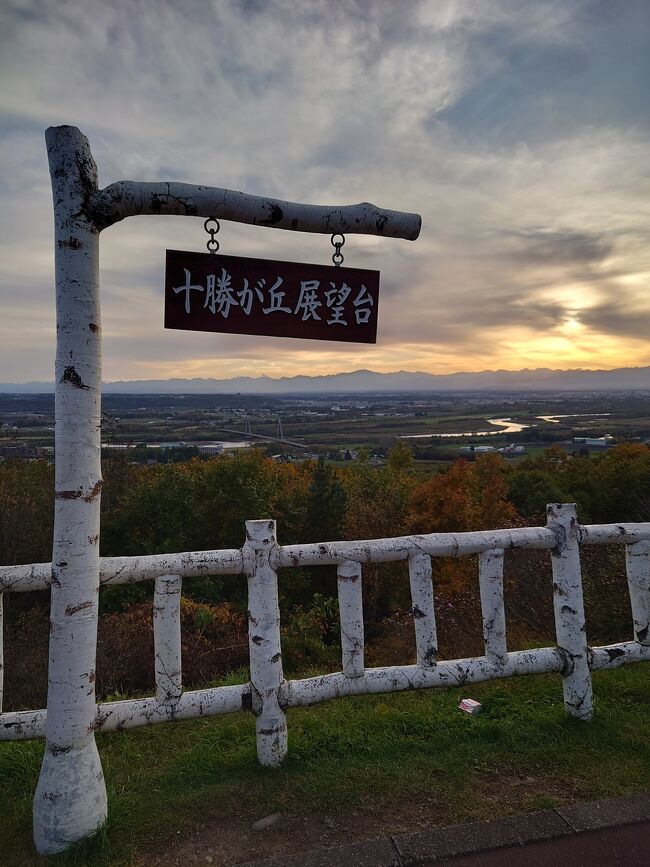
{"x": 213, "y": 640}
{"x": 26, "y": 638}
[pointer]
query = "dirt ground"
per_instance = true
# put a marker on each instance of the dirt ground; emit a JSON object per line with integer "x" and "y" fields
{"x": 234, "y": 841}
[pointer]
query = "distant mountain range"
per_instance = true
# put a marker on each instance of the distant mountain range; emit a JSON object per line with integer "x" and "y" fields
{"x": 541, "y": 379}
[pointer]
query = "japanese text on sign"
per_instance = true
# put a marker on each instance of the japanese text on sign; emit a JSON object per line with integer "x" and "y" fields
{"x": 251, "y": 296}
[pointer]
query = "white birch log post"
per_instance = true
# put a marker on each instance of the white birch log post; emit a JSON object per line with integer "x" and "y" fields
{"x": 265, "y": 651}
{"x": 494, "y": 615}
{"x": 350, "y": 593}
{"x": 70, "y": 799}
{"x": 568, "y": 604}
{"x": 637, "y": 558}
{"x": 423, "y": 607}
{"x": 167, "y": 639}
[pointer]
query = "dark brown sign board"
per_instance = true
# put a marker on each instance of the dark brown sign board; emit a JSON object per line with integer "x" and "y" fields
{"x": 237, "y": 295}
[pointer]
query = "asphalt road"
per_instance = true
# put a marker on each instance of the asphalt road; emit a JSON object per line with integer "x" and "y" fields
{"x": 610, "y": 847}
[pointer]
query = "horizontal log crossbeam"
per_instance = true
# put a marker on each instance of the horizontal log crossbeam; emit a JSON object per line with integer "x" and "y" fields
{"x": 131, "y": 198}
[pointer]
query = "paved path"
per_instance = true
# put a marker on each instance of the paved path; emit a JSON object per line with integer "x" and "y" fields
{"x": 626, "y": 845}
{"x": 597, "y": 834}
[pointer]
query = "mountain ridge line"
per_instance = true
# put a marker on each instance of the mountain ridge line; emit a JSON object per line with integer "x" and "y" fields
{"x": 355, "y": 381}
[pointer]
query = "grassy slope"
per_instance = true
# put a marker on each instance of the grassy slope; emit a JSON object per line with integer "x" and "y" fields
{"x": 520, "y": 754}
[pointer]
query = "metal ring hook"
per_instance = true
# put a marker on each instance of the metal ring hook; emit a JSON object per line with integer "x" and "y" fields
{"x": 212, "y": 244}
{"x": 337, "y": 256}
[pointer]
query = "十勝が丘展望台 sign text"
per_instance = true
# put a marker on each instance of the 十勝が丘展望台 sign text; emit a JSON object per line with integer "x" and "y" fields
{"x": 236, "y": 295}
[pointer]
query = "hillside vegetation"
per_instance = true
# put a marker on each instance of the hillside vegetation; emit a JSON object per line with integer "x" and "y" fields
{"x": 197, "y": 505}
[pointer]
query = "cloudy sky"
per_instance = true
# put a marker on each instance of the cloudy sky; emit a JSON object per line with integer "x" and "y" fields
{"x": 519, "y": 130}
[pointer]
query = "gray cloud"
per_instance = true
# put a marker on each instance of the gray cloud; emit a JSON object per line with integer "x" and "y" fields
{"x": 540, "y": 246}
{"x": 618, "y": 318}
{"x": 516, "y": 128}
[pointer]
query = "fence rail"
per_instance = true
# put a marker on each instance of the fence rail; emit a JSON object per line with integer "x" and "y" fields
{"x": 193, "y": 564}
{"x": 268, "y": 694}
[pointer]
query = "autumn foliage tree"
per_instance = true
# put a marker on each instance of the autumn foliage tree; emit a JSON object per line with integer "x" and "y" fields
{"x": 377, "y": 508}
{"x": 469, "y": 496}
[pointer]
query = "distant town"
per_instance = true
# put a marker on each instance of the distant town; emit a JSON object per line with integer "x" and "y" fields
{"x": 339, "y": 427}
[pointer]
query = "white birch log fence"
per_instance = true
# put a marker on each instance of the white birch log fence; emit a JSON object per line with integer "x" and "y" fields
{"x": 268, "y": 695}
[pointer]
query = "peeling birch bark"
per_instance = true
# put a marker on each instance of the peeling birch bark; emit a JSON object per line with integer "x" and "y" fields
{"x": 613, "y": 534}
{"x": 167, "y": 640}
{"x": 70, "y": 799}
{"x": 616, "y": 655}
{"x": 267, "y": 677}
{"x": 127, "y": 570}
{"x": 637, "y": 559}
{"x": 25, "y": 579}
{"x": 494, "y": 616}
{"x": 22, "y": 725}
{"x": 403, "y": 547}
{"x": 132, "y": 713}
{"x": 423, "y": 607}
{"x": 351, "y": 617}
{"x": 129, "y": 198}
{"x": 170, "y": 703}
{"x": 568, "y": 604}
{"x": 458, "y": 672}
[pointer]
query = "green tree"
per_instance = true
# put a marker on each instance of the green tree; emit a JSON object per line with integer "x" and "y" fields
{"x": 325, "y": 506}
{"x": 400, "y": 458}
{"x": 26, "y": 511}
{"x": 377, "y": 508}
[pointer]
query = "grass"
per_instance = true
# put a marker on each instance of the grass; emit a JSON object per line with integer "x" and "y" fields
{"x": 520, "y": 754}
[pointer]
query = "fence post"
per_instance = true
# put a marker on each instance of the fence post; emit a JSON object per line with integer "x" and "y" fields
{"x": 351, "y": 617}
{"x": 637, "y": 559}
{"x": 167, "y": 638}
{"x": 568, "y": 604}
{"x": 264, "y": 642}
{"x": 494, "y": 616}
{"x": 423, "y": 607}
{"x": 70, "y": 798}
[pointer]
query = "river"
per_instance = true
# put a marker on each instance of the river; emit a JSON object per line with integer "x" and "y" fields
{"x": 507, "y": 426}
{"x": 555, "y": 419}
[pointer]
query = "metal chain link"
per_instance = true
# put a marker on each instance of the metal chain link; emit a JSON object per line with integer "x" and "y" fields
{"x": 212, "y": 244}
{"x": 337, "y": 256}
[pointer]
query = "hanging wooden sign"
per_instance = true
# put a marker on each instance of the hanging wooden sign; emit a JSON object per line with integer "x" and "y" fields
{"x": 236, "y": 295}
